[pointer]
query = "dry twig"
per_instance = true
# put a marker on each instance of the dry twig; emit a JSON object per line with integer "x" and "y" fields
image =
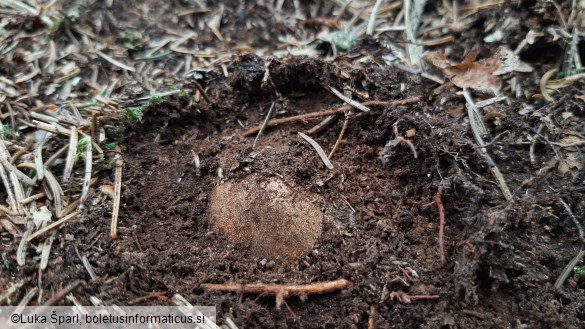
{"x": 340, "y": 138}
{"x": 313, "y": 115}
{"x": 51, "y": 226}
{"x": 201, "y": 90}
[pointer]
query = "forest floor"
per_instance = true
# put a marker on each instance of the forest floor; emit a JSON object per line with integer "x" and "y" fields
{"x": 452, "y": 193}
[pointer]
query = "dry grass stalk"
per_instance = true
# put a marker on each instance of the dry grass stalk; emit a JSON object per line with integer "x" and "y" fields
{"x": 268, "y": 115}
{"x": 10, "y": 227}
{"x": 26, "y": 299}
{"x": 38, "y": 155}
{"x": 115, "y": 62}
{"x": 230, "y": 323}
{"x": 543, "y": 81}
{"x": 372, "y": 20}
{"x": 321, "y": 126}
{"x": 117, "y": 193}
{"x": 54, "y": 128}
{"x": 18, "y": 193}
{"x": 88, "y": 268}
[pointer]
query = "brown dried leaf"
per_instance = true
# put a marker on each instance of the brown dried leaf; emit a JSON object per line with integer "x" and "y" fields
{"x": 482, "y": 74}
{"x": 468, "y": 73}
{"x": 477, "y": 78}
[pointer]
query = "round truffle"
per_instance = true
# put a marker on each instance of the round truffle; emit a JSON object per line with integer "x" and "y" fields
{"x": 267, "y": 217}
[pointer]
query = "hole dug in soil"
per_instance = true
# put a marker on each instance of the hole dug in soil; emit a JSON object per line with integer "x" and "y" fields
{"x": 280, "y": 216}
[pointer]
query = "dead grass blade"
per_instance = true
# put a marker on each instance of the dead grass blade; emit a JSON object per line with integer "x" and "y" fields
{"x": 412, "y": 12}
{"x": 372, "y": 20}
{"x": 26, "y": 299}
{"x": 88, "y": 268}
{"x": 264, "y": 124}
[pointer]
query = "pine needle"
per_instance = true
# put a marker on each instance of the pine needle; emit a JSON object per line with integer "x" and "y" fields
{"x": 319, "y": 150}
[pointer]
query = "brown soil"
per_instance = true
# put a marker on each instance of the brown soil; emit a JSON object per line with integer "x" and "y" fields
{"x": 276, "y": 214}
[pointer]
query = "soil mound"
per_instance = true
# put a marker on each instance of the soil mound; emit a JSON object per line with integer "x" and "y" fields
{"x": 268, "y": 217}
